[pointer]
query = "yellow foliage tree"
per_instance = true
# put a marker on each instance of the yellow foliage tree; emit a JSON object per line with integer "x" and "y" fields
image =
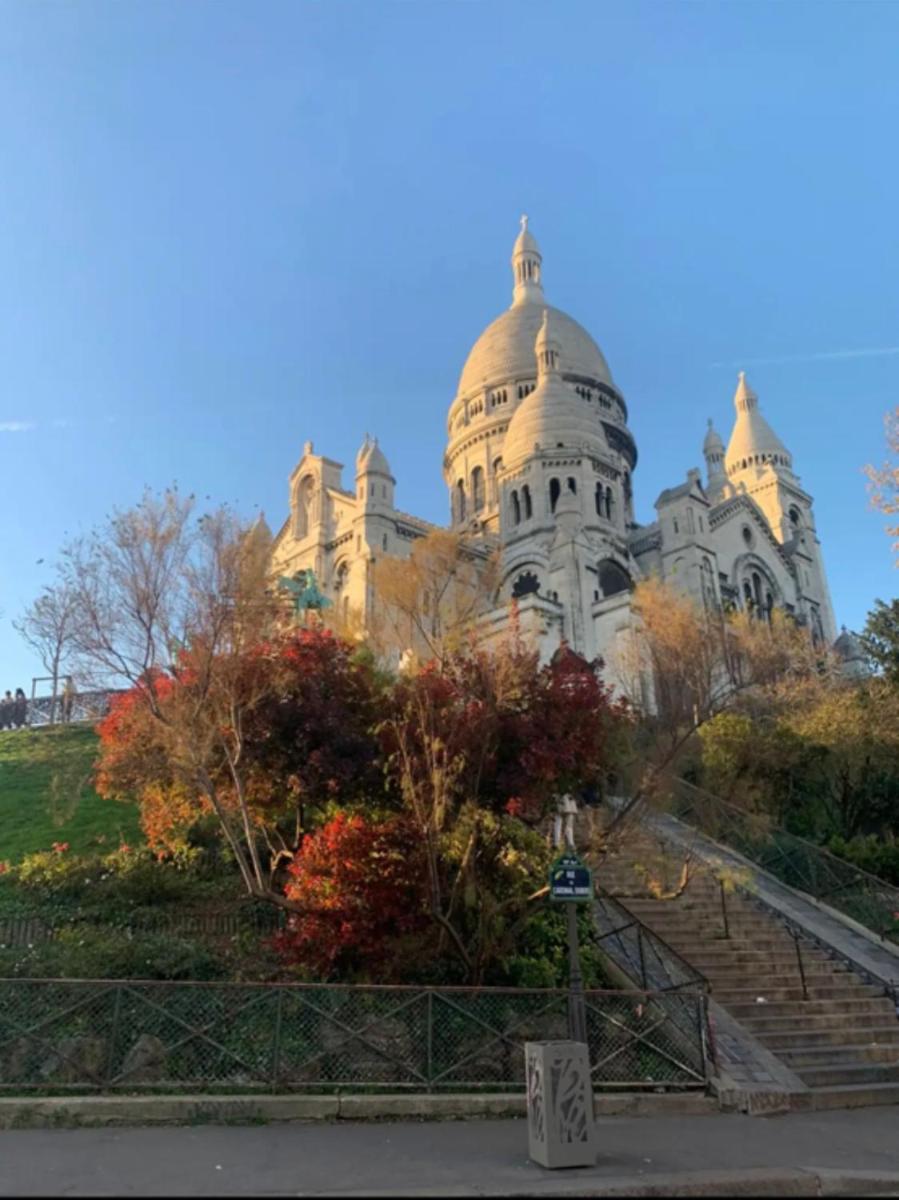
{"x": 429, "y": 602}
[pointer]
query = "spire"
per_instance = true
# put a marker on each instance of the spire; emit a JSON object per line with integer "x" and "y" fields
{"x": 745, "y": 398}
{"x": 753, "y": 443}
{"x": 548, "y": 350}
{"x": 526, "y": 268}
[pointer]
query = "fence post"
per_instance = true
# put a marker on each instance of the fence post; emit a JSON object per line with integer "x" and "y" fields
{"x": 642, "y": 958}
{"x": 114, "y": 1038}
{"x": 276, "y": 1048}
{"x": 429, "y": 1070}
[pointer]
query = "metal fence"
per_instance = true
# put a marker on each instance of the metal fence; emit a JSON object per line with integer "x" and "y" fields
{"x": 64, "y": 1035}
{"x": 872, "y": 902}
{"x": 87, "y": 706}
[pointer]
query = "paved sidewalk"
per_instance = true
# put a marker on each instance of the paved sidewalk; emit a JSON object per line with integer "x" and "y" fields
{"x": 458, "y": 1158}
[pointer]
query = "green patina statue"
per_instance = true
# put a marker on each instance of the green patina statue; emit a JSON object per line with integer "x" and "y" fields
{"x": 304, "y": 592}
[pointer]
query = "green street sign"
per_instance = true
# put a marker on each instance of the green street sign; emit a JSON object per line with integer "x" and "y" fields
{"x": 570, "y": 880}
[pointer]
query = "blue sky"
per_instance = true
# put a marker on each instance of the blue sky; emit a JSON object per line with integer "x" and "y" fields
{"x": 229, "y": 227}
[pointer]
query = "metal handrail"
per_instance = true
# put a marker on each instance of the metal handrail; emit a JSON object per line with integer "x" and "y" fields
{"x": 842, "y": 877}
{"x": 664, "y": 951}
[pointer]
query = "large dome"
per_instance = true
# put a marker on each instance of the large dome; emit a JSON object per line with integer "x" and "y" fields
{"x": 505, "y": 350}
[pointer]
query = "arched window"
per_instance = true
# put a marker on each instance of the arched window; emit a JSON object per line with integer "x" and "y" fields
{"x": 613, "y": 578}
{"x": 747, "y": 596}
{"x": 460, "y": 500}
{"x": 757, "y": 589}
{"x": 609, "y": 501}
{"x": 572, "y": 484}
{"x": 477, "y": 489}
{"x": 516, "y": 509}
{"x": 526, "y": 497}
{"x": 341, "y": 578}
{"x": 554, "y": 490}
{"x": 599, "y": 500}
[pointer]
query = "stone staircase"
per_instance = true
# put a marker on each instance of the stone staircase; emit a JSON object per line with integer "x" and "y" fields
{"x": 842, "y": 1041}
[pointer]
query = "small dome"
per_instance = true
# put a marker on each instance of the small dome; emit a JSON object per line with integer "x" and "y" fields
{"x": 525, "y": 243}
{"x": 713, "y": 443}
{"x": 372, "y": 458}
{"x": 553, "y": 415}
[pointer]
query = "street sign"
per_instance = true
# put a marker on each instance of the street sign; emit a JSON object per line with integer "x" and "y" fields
{"x": 570, "y": 879}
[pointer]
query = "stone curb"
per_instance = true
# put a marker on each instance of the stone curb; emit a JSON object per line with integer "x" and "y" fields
{"x": 80, "y": 1111}
{"x": 751, "y": 1181}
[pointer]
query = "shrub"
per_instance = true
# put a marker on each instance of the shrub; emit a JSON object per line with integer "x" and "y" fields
{"x": 877, "y": 856}
{"x": 91, "y": 952}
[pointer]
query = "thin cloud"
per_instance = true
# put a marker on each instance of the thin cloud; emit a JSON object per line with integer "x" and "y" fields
{"x": 16, "y": 426}
{"x": 823, "y": 356}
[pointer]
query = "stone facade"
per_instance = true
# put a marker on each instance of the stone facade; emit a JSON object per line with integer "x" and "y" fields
{"x": 539, "y": 466}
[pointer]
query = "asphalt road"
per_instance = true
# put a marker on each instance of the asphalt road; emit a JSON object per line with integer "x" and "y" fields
{"x": 440, "y": 1158}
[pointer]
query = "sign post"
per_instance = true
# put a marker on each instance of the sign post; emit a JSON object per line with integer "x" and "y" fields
{"x": 571, "y": 883}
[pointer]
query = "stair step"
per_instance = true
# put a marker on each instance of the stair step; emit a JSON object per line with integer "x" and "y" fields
{"x": 748, "y": 995}
{"x": 809, "y": 1022}
{"x": 787, "y": 1008}
{"x": 794, "y": 1039}
{"x": 837, "y": 1074}
{"x": 816, "y": 1056}
{"x": 855, "y": 1095}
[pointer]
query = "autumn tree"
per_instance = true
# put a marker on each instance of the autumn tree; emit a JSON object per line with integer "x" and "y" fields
{"x": 478, "y": 750}
{"x": 48, "y": 627}
{"x": 880, "y": 639}
{"x": 683, "y": 665}
{"x": 429, "y": 602}
{"x": 884, "y": 481}
{"x": 175, "y": 607}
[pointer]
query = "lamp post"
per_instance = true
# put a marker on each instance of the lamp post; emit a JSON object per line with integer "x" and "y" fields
{"x": 570, "y": 882}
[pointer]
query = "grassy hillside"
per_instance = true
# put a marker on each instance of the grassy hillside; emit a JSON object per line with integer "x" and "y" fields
{"x": 46, "y": 794}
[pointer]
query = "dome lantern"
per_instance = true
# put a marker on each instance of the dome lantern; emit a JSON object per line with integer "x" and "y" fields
{"x": 526, "y": 268}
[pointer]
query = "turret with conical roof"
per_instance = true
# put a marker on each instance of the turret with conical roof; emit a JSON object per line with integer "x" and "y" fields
{"x": 374, "y": 482}
{"x": 713, "y": 451}
{"x": 753, "y": 444}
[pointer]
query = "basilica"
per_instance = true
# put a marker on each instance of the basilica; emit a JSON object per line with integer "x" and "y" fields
{"x": 539, "y": 467}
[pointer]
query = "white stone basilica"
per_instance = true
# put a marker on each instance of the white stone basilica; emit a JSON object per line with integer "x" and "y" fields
{"x": 539, "y": 465}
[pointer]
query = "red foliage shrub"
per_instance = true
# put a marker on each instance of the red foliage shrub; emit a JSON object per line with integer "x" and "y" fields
{"x": 363, "y": 883}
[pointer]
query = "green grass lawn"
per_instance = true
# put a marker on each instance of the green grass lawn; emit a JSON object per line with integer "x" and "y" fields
{"x": 46, "y": 794}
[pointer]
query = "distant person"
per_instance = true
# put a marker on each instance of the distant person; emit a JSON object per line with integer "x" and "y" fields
{"x": 6, "y": 711}
{"x": 20, "y": 709}
{"x": 68, "y": 700}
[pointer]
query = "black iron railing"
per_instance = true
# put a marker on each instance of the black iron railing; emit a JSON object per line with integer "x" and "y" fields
{"x": 108, "y": 1035}
{"x": 872, "y": 902}
{"x": 650, "y": 963}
